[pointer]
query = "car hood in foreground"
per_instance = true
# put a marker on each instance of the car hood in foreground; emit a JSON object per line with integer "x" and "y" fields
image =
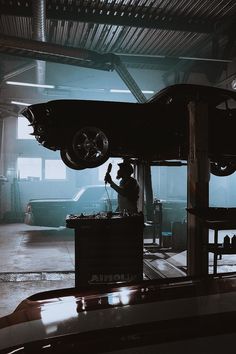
{"x": 149, "y": 313}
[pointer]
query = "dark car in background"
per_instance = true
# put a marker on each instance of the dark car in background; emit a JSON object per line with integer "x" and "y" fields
{"x": 93, "y": 199}
{"x": 53, "y": 211}
{"x": 87, "y": 133}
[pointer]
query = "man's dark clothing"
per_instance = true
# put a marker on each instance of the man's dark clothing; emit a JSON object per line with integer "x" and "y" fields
{"x": 128, "y": 193}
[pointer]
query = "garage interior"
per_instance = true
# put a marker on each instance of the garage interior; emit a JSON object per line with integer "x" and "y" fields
{"x": 122, "y": 51}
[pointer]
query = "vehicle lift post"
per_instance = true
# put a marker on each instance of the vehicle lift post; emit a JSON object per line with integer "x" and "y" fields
{"x": 198, "y": 188}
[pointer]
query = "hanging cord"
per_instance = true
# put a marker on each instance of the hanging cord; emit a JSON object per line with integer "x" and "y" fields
{"x": 109, "y": 167}
{"x": 108, "y": 199}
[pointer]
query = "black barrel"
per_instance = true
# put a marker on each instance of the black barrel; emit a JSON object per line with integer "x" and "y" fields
{"x": 107, "y": 249}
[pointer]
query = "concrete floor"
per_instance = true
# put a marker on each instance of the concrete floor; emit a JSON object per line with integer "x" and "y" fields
{"x": 26, "y": 253}
{"x": 36, "y": 259}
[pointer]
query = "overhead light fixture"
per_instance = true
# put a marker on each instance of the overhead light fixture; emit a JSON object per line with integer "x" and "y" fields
{"x": 17, "y": 83}
{"x": 173, "y": 57}
{"x": 128, "y": 91}
{"x": 20, "y": 103}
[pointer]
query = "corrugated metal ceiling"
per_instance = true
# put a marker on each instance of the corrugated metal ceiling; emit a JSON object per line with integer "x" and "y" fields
{"x": 164, "y": 27}
{"x": 168, "y": 35}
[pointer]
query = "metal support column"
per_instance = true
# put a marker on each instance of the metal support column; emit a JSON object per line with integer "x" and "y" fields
{"x": 148, "y": 192}
{"x": 198, "y": 188}
{"x": 140, "y": 175}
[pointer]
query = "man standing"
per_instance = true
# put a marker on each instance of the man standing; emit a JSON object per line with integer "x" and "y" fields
{"x": 128, "y": 189}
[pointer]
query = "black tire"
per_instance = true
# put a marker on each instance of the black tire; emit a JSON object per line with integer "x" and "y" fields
{"x": 69, "y": 161}
{"x": 223, "y": 168}
{"x": 90, "y": 146}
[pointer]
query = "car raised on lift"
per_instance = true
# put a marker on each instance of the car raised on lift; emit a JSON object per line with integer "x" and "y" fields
{"x": 87, "y": 133}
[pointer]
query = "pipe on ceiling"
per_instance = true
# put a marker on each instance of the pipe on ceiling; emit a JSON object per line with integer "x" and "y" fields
{"x": 39, "y": 34}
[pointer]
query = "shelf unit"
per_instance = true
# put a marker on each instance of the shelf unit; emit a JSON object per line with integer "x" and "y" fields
{"x": 217, "y": 219}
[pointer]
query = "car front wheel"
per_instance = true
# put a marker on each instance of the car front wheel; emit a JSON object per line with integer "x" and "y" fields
{"x": 90, "y": 146}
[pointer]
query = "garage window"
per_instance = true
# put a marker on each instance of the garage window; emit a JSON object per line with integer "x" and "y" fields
{"x": 23, "y": 129}
{"x": 29, "y": 168}
{"x": 55, "y": 169}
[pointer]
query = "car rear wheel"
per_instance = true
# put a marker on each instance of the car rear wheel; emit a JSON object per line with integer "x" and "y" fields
{"x": 69, "y": 160}
{"x": 90, "y": 146}
{"x": 223, "y": 168}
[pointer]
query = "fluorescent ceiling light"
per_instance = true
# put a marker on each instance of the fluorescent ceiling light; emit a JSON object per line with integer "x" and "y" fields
{"x": 20, "y": 103}
{"x": 16, "y": 83}
{"x": 173, "y": 57}
{"x": 128, "y": 91}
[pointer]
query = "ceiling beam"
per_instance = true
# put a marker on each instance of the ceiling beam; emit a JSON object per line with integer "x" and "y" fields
{"x": 69, "y": 55}
{"x": 21, "y": 69}
{"x": 55, "y": 53}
